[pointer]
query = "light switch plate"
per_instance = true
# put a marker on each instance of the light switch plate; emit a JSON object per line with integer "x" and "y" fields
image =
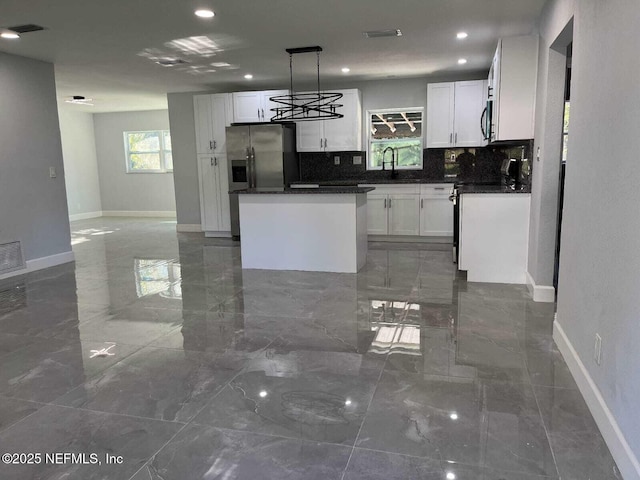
{"x": 357, "y": 160}
{"x": 336, "y": 160}
{"x": 52, "y": 172}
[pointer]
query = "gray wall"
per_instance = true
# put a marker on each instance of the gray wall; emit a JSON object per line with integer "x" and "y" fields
{"x": 409, "y": 92}
{"x": 130, "y": 191}
{"x": 185, "y": 162}
{"x": 599, "y": 264}
{"x": 80, "y": 162}
{"x": 33, "y": 207}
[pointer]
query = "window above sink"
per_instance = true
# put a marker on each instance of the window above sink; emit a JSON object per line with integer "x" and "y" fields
{"x": 400, "y": 129}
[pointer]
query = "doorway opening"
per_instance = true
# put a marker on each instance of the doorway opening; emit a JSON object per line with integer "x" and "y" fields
{"x": 563, "y": 161}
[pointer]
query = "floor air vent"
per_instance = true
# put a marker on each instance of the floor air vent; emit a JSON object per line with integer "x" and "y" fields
{"x": 11, "y": 257}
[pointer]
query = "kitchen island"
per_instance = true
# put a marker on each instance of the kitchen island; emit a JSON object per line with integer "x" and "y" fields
{"x": 310, "y": 229}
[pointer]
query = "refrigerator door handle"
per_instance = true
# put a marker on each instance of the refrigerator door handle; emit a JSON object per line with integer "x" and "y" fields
{"x": 253, "y": 168}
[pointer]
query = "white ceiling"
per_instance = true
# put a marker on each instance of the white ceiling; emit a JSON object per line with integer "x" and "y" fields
{"x": 98, "y": 46}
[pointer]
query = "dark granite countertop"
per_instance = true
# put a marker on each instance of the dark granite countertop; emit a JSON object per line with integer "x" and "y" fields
{"x": 343, "y": 190}
{"x": 365, "y": 181}
{"x": 493, "y": 189}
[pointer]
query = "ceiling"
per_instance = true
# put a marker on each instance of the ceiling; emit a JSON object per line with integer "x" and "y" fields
{"x": 105, "y": 50}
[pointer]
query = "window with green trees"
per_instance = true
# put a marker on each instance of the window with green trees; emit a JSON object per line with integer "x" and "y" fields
{"x": 148, "y": 151}
{"x": 400, "y": 129}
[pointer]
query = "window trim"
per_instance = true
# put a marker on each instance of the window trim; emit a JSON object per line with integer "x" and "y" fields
{"x": 162, "y": 152}
{"x": 374, "y": 111}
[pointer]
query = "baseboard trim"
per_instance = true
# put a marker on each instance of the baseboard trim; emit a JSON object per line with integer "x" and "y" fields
{"x": 84, "y": 216}
{"x": 42, "y": 262}
{"x": 409, "y": 239}
{"x": 540, "y": 293}
{"x": 189, "y": 227}
{"x": 217, "y": 234}
{"x": 620, "y": 450}
{"x": 138, "y": 213}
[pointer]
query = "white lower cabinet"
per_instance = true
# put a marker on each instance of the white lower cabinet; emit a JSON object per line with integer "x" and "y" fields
{"x": 436, "y": 210}
{"x": 410, "y": 210}
{"x": 377, "y": 221}
{"x": 404, "y": 214}
{"x": 214, "y": 195}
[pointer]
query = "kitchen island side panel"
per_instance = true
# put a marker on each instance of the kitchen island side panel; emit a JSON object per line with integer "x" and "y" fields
{"x": 494, "y": 232}
{"x": 303, "y": 232}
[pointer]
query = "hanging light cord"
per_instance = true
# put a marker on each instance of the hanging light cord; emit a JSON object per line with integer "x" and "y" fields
{"x": 291, "y": 73}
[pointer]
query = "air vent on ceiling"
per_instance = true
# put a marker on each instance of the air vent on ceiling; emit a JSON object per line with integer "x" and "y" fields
{"x": 383, "y": 33}
{"x": 170, "y": 62}
{"x": 26, "y": 28}
{"x": 11, "y": 257}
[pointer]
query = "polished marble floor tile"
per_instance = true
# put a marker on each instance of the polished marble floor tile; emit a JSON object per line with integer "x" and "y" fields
{"x": 479, "y": 423}
{"x": 377, "y": 465}
{"x": 200, "y": 452}
{"x": 13, "y": 410}
{"x": 65, "y": 430}
{"x": 159, "y": 383}
{"x": 313, "y": 406}
{"x": 404, "y": 370}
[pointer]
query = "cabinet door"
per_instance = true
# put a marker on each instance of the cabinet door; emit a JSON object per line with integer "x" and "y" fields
{"x": 247, "y": 107}
{"x": 345, "y": 133}
{"x": 222, "y": 187}
{"x": 310, "y": 136}
{"x": 470, "y": 100}
{"x": 209, "y": 198}
{"x": 202, "y": 108}
{"x": 219, "y": 122}
{"x": 404, "y": 214}
{"x": 436, "y": 216}
{"x": 268, "y": 104}
{"x": 440, "y": 111}
{"x": 376, "y": 214}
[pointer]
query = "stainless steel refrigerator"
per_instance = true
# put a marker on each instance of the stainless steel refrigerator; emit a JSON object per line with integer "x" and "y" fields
{"x": 260, "y": 156}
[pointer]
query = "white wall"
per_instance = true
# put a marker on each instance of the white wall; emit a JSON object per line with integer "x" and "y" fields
{"x": 33, "y": 207}
{"x": 599, "y": 281}
{"x": 121, "y": 191}
{"x": 80, "y": 163}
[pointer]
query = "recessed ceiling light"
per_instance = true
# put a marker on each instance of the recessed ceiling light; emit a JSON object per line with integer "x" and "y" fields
{"x": 248, "y": 76}
{"x": 462, "y": 61}
{"x": 346, "y": 70}
{"x": 9, "y": 34}
{"x": 204, "y": 13}
{"x": 451, "y": 476}
{"x": 462, "y": 35}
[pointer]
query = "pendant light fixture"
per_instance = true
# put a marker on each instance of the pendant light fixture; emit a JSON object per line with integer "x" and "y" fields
{"x": 306, "y": 106}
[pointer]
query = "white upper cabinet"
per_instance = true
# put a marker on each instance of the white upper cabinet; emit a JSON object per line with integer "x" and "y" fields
{"x": 440, "y": 111}
{"x": 513, "y": 79}
{"x": 212, "y": 115}
{"x": 470, "y": 101}
{"x": 343, "y": 134}
{"x": 254, "y": 107}
{"x": 454, "y": 113}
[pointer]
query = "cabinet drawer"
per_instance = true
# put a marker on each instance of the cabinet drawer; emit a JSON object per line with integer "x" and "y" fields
{"x": 393, "y": 189}
{"x": 436, "y": 189}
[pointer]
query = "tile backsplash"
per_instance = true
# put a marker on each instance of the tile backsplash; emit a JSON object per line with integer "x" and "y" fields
{"x": 481, "y": 165}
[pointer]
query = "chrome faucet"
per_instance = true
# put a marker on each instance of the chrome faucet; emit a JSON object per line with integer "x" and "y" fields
{"x": 394, "y": 174}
